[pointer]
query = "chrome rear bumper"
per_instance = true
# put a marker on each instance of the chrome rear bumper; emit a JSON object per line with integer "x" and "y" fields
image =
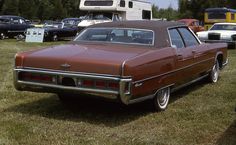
{"x": 57, "y": 87}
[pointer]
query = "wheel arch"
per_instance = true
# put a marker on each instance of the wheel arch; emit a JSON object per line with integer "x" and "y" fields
{"x": 220, "y": 58}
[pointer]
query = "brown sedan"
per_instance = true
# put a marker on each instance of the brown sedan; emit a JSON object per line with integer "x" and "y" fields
{"x": 127, "y": 61}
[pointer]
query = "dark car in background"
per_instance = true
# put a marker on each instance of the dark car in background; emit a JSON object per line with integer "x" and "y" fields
{"x": 11, "y": 26}
{"x": 59, "y": 30}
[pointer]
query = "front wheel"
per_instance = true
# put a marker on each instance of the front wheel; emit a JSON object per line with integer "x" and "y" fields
{"x": 161, "y": 99}
{"x": 214, "y": 74}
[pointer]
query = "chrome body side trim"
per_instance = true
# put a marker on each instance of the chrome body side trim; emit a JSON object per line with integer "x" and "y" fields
{"x": 69, "y": 72}
{"x": 141, "y": 99}
{"x": 189, "y": 83}
{"x": 173, "y": 71}
{"x": 137, "y": 100}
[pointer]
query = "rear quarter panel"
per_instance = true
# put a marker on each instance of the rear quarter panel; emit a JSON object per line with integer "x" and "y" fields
{"x": 149, "y": 70}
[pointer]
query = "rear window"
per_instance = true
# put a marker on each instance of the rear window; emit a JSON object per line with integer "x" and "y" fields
{"x": 117, "y": 35}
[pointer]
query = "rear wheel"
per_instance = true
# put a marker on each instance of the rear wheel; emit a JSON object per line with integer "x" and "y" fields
{"x": 214, "y": 74}
{"x": 2, "y": 36}
{"x": 161, "y": 99}
{"x": 55, "y": 37}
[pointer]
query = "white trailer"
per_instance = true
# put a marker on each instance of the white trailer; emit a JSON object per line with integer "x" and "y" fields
{"x": 100, "y": 11}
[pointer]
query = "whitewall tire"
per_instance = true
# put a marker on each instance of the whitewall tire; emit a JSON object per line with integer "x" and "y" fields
{"x": 161, "y": 99}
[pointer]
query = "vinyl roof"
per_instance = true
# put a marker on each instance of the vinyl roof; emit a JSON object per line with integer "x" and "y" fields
{"x": 158, "y": 27}
{"x": 140, "y": 24}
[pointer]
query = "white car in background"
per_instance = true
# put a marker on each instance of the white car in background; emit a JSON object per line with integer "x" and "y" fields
{"x": 220, "y": 32}
{"x": 94, "y": 18}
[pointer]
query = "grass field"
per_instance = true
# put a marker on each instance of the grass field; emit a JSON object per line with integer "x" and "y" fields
{"x": 199, "y": 114}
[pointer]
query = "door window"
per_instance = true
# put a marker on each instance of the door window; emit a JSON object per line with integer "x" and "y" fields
{"x": 189, "y": 38}
{"x": 176, "y": 39}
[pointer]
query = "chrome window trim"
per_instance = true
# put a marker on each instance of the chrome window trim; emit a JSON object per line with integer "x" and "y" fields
{"x": 128, "y": 28}
{"x": 181, "y": 26}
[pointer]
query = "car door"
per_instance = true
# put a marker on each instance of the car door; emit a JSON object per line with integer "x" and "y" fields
{"x": 202, "y": 56}
{"x": 184, "y": 57}
{"x": 18, "y": 25}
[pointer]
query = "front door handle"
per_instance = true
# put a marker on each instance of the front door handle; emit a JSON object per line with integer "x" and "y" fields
{"x": 179, "y": 56}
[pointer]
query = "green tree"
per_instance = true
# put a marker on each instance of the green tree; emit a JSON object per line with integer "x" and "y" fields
{"x": 10, "y": 7}
{"x": 72, "y": 8}
{"x": 155, "y": 10}
{"x": 45, "y": 10}
{"x": 231, "y": 4}
{"x": 1, "y": 5}
{"x": 58, "y": 10}
{"x": 169, "y": 14}
{"x": 27, "y": 9}
{"x": 195, "y": 8}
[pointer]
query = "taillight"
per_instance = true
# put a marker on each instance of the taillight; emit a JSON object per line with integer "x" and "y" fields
{"x": 88, "y": 83}
{"x": 113, "y": 85}
{"x": 27, "y": 76}
{"x": 99, "y": 84}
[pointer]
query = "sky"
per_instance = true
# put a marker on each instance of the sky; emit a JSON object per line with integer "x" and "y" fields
{"x": 165, "y": 3}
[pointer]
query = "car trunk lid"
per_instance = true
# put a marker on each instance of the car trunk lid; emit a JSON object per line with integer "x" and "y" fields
{"x": 87, "y": 58}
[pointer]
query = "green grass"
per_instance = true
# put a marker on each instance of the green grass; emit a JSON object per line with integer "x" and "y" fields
{"x": 199, "y": 114}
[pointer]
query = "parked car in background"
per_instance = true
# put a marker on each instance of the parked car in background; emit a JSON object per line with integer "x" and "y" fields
{"x": 11, "y": 26}
{"x": 220, "y": 32}
{"x": 127, "y": 61}
{"x": 95, "y": 18}
{"x": 193, "y": 24}
{"x": 72, "y": 21}
{"x": 59, "y": 30}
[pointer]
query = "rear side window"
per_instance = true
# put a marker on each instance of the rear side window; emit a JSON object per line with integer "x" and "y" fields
{"x": 176, "y": 39}
{"x": 188, "y": 37}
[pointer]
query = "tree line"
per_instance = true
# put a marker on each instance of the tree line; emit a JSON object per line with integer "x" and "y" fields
{"x": 195, "y": 8}
{"x": 41, "y": 9}
{"x": 191, "y": 9}
{"x": 59, "y": 9}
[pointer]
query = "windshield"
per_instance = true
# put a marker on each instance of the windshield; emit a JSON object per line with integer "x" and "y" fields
{"x": 224, "y": 27}
{"x": 53, "y": 25}
{"x": 216, "y": 15}
{"x": 98, "y": 16}
{"x": 117, "y": 35}
{"x": 2, "y": 20}
{"x": 71, "y": 21}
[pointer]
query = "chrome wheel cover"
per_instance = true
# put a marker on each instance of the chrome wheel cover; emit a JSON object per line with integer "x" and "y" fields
{"x": 215, "y": 72}
{"x": 163, "y": 97}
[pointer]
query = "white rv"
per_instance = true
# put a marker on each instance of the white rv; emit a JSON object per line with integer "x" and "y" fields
{"x": 100, "y": 11}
